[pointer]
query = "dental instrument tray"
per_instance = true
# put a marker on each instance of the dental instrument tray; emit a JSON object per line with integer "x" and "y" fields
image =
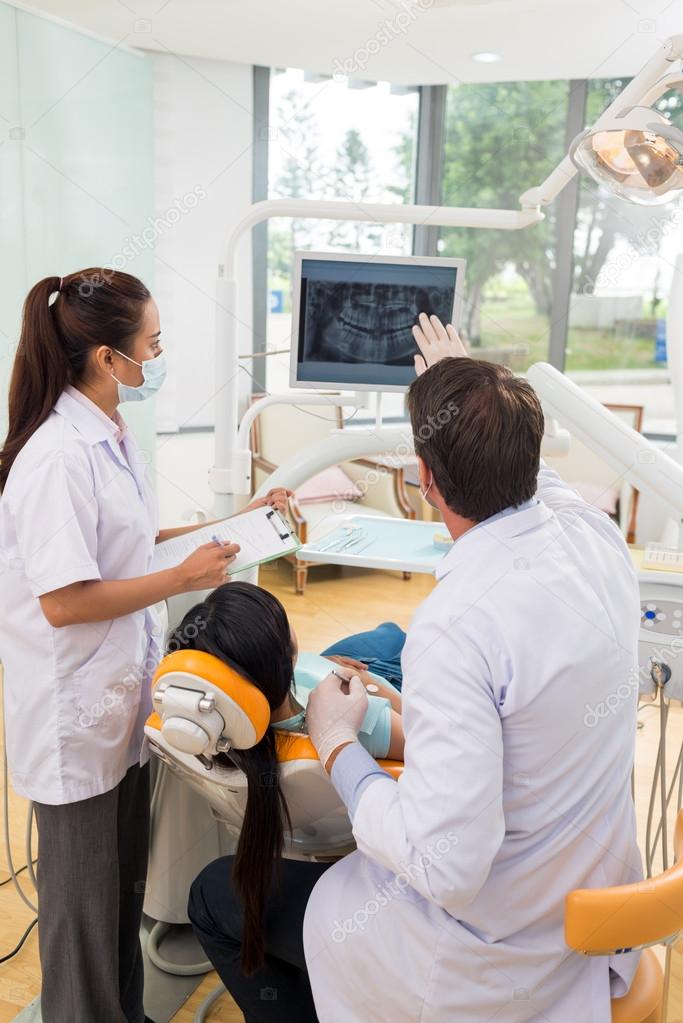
{"x": 377, "y": 541}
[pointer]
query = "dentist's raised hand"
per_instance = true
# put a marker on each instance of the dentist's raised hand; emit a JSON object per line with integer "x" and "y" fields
{"x": 435, "y": 342}
{"x": 335, "y": 712}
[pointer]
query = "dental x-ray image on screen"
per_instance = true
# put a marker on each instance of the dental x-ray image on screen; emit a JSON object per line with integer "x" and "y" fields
{"x": 355, "y": 317}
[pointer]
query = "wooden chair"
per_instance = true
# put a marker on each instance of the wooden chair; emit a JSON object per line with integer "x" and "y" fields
{"x": 280, "y": 430}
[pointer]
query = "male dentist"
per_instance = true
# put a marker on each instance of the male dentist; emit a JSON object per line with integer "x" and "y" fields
{"x": 514, "y": 790}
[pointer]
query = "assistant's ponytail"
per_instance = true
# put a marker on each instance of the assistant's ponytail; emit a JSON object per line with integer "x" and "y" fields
{"x": 40, "y": 371}
{"x": 64, "y": 319}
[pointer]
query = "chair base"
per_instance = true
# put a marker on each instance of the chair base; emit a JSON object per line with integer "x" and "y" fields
{"x": 643, "y": 1002}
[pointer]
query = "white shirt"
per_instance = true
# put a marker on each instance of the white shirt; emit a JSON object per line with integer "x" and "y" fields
{"x": 514, "y": 791}
{"x": 78, "y": 505}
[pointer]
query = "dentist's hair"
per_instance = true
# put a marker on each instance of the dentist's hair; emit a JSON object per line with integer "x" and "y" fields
{"x": 248, "y": 627}
{"x": 478, "y": 428}
{"x": 65, "y": 318}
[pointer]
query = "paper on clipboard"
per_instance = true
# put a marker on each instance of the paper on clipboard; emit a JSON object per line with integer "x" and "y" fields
{"x": 263, "y": 535}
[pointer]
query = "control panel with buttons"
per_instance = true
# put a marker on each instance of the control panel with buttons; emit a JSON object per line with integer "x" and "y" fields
{"x": 663, "y": 616}
{"x": 660, "y": 647}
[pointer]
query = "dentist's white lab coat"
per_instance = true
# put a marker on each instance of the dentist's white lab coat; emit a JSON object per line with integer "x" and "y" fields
{"x": 516, "y": 788}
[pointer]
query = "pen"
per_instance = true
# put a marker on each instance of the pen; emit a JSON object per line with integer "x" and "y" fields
{"x": 216, "y": 540}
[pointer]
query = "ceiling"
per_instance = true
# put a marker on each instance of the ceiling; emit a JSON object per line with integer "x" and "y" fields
{"x": 400, "y": 41}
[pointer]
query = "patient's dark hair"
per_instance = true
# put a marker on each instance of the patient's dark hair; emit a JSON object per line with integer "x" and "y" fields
{"x": 247, "y": 627}
{"x": 479, "y": 429}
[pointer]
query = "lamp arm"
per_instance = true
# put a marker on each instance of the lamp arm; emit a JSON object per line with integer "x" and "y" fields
{"x": 666, "y": 82}
{"x": 376, "y": 212}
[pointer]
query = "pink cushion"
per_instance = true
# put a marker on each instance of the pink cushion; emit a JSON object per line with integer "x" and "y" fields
{"x": 604, "y": 498}
{"x": 329, "y": 485}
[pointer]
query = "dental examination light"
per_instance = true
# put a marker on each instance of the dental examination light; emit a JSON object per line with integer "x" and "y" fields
{"x": 638, "y": 155}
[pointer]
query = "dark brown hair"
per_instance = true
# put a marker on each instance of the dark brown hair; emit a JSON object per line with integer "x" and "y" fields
{"x": 247, "y": 627}
{"x": 93, "y": 307}
{"x": 478, "y": 428}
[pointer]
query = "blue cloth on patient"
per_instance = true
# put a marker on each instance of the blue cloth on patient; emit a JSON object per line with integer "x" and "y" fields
{"x": 380, "y": 649}
{"x": 375, "y": 733}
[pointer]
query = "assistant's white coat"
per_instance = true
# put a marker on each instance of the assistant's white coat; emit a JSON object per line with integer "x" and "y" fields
{"x": 75, "y": 507}
{"x": 519, "y": 708}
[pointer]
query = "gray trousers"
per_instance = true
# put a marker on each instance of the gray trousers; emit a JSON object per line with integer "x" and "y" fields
{"x": 91, "y": 880}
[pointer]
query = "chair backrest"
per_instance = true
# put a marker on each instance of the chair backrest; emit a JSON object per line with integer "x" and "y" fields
{"x": 604, "y": 921}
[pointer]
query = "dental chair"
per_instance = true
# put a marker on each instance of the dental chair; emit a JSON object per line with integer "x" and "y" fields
{"x": 604, "y": 921}
{"x": 203, "y": 710}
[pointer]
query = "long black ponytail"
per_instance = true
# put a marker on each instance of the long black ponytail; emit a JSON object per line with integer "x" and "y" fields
{"x": 248, "y": 626}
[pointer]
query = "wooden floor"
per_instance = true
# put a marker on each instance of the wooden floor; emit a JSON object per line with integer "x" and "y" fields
{"x": 337, "y": 602}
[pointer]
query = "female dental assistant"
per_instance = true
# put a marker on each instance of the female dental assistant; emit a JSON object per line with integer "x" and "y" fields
{"x": 78, "y": 638}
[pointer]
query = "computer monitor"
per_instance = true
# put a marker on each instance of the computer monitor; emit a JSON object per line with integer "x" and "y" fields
{"x": 352, "y": 316}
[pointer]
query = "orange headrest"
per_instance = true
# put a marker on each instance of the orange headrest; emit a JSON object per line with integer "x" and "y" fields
{"x": 242, "y": 705}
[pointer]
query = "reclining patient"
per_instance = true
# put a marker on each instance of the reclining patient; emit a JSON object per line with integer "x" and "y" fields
{"x": 247, "y": 627}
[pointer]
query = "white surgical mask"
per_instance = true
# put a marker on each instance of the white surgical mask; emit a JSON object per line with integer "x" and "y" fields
{"x": 153, "y": 376}
{"x": 424, "y": 493}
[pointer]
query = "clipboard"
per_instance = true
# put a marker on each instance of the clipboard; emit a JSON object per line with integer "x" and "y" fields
{"x": 262, "y": 533}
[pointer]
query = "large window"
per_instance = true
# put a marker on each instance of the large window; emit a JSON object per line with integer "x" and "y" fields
{"x": 500, "y": 139}
{"x": 333, "y": 140}
{"x": 357, "y": 141}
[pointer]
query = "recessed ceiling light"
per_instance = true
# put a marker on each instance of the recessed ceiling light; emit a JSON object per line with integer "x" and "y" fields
{"x": 486, "y": 58}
